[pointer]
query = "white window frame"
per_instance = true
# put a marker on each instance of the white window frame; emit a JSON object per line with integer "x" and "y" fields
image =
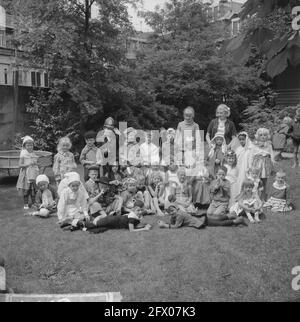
{"x": 238, "y": 20}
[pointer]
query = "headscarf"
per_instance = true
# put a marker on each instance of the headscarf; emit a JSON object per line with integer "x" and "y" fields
{"x": 73, "y": 177}
{"x": 213, "y": 145}
{"x": 248, "y": 144}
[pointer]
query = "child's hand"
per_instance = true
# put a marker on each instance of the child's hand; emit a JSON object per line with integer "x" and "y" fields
{"x": 217, "y": 161}
{"x": 161, "y": 224}
{"x": 148, "y": 227}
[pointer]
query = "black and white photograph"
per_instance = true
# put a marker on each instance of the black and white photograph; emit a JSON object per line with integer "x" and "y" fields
{"x": 149, "y": 153}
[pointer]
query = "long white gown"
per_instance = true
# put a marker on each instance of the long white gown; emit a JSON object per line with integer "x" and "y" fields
{"x": 244, "y": 160}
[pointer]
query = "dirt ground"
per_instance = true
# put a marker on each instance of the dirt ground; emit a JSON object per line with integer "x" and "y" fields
{"x": 215, "y": 264}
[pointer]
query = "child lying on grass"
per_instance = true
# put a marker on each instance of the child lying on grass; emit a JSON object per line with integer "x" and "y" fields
{"x": 131, "y": 221}
{"x": 180, "y": 218}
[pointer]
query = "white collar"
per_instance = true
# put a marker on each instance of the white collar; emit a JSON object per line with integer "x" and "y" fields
{"x": 276, "y": 186}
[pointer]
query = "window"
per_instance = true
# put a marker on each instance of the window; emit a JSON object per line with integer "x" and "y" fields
{"x": 5, "y": 76}
{"x": 38, "y": 79}
{"x": 33, "y": 79}
{"x": 216, "y": 13}
{"x": 2, "y": 38}
{"x": 46, "y": 80}
{"x": 235, "y": 26}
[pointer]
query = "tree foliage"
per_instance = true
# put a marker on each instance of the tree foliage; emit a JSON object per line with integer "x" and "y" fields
{"x": 90, "y": 76}
{"x": 268, "y": 28}
{"x": 185, "y": 66}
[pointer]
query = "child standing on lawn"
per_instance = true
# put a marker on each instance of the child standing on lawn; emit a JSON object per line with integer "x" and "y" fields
{"x": 295, "y": 135}
{"x": 216, "y": 154}
{"x": 263, "y": 157}
{"x": 29, "y": 171}
{"x": 64, "y": 160}
{"x": 279, "y": 195}
{"x": 248, "y": 203}
{"x": 88, "y": 154}
{"x": 243, "y": 153}
{"x": 280, "y": 137}
{"x": 232, "y": 175}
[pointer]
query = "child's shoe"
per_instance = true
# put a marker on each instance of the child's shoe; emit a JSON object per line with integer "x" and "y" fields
{"x": 26, "y": 207}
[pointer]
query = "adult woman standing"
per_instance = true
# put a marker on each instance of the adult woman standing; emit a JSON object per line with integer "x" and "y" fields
{"x": 221, "y": 124}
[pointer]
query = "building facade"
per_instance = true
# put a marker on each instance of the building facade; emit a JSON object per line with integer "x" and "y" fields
{"x": 16, "y": 82}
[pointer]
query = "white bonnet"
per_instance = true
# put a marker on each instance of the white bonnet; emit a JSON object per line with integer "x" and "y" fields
{"x": 42, "y": 178}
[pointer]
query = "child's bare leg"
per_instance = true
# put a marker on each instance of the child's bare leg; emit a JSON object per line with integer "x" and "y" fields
{"x": 147, "y": 199}
{"x": 249, "y": 216}
{"x": 256, "y": 216}
{"x": 156, "y": 207}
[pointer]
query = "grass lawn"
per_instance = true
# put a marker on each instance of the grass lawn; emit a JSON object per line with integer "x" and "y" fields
{"x": 215, "y": 264}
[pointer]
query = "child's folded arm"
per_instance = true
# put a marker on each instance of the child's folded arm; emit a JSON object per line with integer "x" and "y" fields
{"x": 82, "y": 158}
{"x": 133, "y": 229}
{"x": 241, "y": 204}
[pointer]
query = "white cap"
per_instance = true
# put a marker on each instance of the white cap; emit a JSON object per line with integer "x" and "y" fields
{"x": 73, "y": 177}
{"x": 42, "y": 178}
{"x": 27, "y": 138}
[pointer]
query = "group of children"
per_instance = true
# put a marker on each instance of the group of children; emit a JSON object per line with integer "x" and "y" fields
{"x": 223, "y": 189}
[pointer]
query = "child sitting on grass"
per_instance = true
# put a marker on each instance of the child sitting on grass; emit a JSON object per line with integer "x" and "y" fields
{"x": 115, "y": 177}
{"x": 183, "y": 192}
{"x": 220, "y": 195}
{"x": 73, "y": 203}
{"x": 248, "y": 203}
{"x": 45, "y": 198}
{"x": 279, "y": 195}
{"x": 110, "y": 202}
{"x": 94, "y": 193}
{"x": 201, "y": 187}
{"x": 131, "y": 221}
{"x": 180, "y": 218}
{"x": 156, "y": 189}
{"x": 88, "y": 154}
